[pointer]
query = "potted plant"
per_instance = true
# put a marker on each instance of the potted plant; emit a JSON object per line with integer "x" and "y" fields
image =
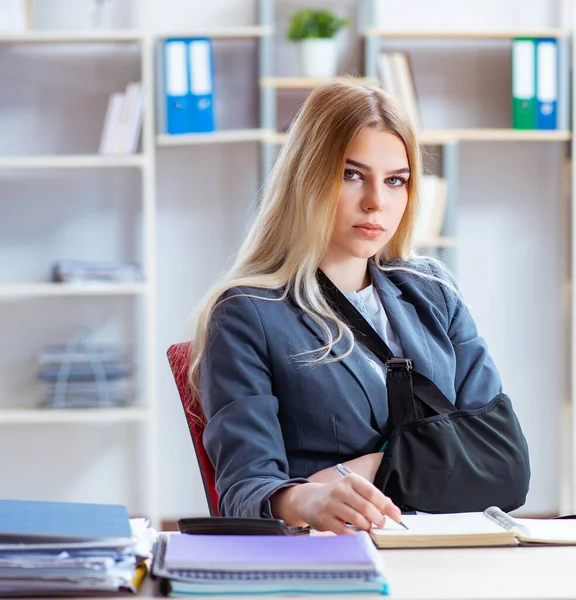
{"x": 315, "y": 31}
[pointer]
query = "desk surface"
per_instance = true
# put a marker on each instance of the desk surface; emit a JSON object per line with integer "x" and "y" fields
{"x": 482, "y": 573}
{"x": 521, "y": 573}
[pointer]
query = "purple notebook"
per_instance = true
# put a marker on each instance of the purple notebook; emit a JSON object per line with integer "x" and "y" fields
{"x": 354, "y": 552}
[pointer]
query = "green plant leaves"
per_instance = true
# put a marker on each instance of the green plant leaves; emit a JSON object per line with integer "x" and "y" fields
{"x": 309, "y": 24}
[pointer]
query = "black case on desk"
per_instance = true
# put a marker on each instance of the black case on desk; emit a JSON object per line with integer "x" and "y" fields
{"x": 237, "y": 526}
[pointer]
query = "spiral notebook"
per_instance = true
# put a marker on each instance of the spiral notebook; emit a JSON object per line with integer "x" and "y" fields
{"x": 235, "y": 564}
{"x": 493, "y": 527}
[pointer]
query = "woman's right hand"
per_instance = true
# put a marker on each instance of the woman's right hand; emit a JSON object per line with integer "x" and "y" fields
{"x": 329, "y": 506}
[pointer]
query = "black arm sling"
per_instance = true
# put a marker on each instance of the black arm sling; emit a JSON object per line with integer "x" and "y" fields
{"x": 440, "y": 459}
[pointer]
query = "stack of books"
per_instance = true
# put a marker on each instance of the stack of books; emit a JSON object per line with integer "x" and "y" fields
{"x": 190, "y": 564}
{"x": 397, "y": 79}
{"x": 123, "y": 121}
{"x": 57, "y": 548}
{"x": 432, "y": 204}
{"x": 86, "y": 376}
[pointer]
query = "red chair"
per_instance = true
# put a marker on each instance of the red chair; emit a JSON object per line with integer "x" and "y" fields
{"x": 179, "y": 357}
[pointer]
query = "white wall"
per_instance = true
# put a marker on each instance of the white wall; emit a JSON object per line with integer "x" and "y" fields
{"x": 511, "y": 255}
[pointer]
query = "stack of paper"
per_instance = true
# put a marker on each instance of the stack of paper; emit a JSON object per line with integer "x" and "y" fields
{"x": 254, "y": 564}
{"x": 50, "y": 548}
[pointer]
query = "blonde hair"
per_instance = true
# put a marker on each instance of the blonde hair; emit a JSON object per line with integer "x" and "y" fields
{"x": 301, "y": 196}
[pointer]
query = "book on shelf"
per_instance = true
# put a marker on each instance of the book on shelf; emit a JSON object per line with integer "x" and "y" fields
{"x": 397, "y": 78}
{"x": 123, "y": 121}
{"x": 493, "y": 527}
{"x": 535, "y": 83}
{"x": 432, "y": 203}
{"x": 251, "y": 564}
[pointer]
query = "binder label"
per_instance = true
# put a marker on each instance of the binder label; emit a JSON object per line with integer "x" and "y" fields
{"x": 200, "y": 68}
{"x": 177, "y": 72}
{"x": 523, "y": 75}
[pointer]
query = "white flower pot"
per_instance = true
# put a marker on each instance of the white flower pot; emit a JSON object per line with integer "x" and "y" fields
{"x": 319, "y": 57}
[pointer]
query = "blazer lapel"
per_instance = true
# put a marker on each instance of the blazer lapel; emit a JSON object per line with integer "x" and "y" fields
{"x": 360, "y": 368}
{"x": 405, "y": 323}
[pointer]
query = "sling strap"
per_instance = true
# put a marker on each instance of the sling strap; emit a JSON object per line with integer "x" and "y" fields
{"x": 411, "y": 395}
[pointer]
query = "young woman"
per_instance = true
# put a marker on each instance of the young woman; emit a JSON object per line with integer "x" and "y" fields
{"x": 286, "y": 390}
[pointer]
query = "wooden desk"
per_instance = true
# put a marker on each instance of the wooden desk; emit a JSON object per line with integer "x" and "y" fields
{"x": 527, "y": 573}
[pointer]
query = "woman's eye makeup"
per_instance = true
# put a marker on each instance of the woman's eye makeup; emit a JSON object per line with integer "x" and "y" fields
{"x": 352, "y": 174}
{"x": 396, "y": 181}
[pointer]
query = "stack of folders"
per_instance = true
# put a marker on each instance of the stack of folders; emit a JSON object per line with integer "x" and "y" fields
{"x": 535, "y": 85}
{"x": 396, "y": 78}
{"x": 61, "y": 548}
{"x": 86, "y": 376}
{"x": 263, "y": 564}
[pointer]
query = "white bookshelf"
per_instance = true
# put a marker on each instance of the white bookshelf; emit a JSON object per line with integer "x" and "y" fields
{"x": 73, "y": 37}
{"x": 253, "y": 31}
{"x": 143, "y": 413}
{"x": 464, "y": 34}
{"x": 492, "y": 135}
{"x": 308, "y": 83}
{"x": 447, "y": 136}
{"x": 44, "y": 290}
{"x": 63, "y": 416}
{"x": 79, "y": 161}
{"x": 216, "y": 137}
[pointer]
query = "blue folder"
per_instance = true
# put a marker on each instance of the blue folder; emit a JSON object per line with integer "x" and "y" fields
{"x": 189, "y": 85}
{"x": 30, "y": 521}
{"x": 546, "y": 83}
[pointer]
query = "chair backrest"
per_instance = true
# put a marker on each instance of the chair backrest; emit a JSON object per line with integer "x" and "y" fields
{"x": 179, "y": 357}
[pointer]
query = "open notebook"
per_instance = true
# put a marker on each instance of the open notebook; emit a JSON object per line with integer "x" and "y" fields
{"x": 493, "y": 527}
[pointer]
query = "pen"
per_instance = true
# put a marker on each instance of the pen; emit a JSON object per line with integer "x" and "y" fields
{"x": 344, "y": 470}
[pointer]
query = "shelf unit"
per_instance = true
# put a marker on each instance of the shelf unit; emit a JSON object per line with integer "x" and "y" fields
{"x": 143, "y": 414}
{"x": 449, "y": 139}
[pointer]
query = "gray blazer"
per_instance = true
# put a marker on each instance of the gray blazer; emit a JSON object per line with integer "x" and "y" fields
{"x": 273, "y": 419}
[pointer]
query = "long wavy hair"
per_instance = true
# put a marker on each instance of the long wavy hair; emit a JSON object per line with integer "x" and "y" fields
{"x": 293, "y": 225}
